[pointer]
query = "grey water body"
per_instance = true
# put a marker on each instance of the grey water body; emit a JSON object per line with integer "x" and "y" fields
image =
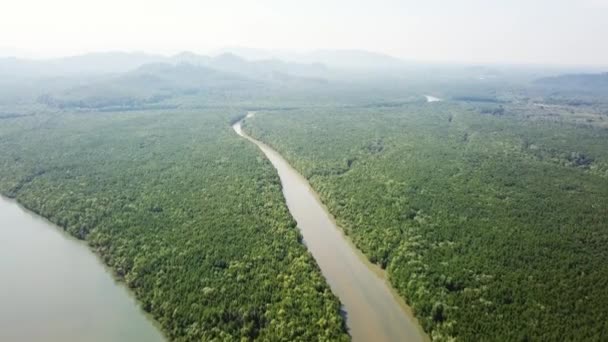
{"x": 430, "y": 98}
{"x": 53, "y": 288}
{"x": 374, "y": 312}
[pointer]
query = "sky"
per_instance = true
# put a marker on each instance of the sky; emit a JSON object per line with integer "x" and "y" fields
{"x": 546, "y": 32}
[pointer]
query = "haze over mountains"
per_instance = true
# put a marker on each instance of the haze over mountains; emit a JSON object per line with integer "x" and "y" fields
{"x": 252, "y": 62}
{"x": 116, "y": 62}
{"x": 130, "y": 80}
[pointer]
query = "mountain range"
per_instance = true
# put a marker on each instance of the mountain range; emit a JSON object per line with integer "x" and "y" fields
{"x": 313, "y": 64}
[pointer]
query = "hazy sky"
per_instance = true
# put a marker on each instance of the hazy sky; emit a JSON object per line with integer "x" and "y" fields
{"x": 512, "y": 31}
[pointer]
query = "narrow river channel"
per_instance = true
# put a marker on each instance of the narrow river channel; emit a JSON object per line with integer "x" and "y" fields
{"x": 53, "y": 288}
{"x": 374, "y": 312}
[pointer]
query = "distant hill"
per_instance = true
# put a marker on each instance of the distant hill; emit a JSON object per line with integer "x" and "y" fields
{"x": 117, "y": 79}
{"x": 190, "y": 58}
{"x": 353, "y": 59}
{"x": 94, "y": 63}
{"x": 316, "y": 66}
{"x": 150, "y": 83}
{"x": 183, "y": 74}
{"x": 335, "y": 59}
{"x": 119, "y": 62}
{"x": 268, "y": 69}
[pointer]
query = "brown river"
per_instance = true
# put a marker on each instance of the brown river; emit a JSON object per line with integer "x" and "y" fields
{"x": 54, "y": 289}
{"x": 374, "y": 312}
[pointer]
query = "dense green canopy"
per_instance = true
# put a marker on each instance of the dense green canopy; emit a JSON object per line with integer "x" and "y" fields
{"x": 493, "y": 227}
{"x": 187, "y": 213}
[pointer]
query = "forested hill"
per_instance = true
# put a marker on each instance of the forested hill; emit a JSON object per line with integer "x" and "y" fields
{"x": 149, "y": 84}
{"x": 154, "y": 81}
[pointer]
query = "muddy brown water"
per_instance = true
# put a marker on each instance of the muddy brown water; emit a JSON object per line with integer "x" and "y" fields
{"x": 373, "y": 310}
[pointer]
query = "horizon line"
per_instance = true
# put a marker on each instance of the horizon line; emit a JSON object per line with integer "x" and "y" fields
{"x": 226, "y": 50}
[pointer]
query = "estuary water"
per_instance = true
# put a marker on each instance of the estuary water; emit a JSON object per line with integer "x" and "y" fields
{"x": 53, "y": 288}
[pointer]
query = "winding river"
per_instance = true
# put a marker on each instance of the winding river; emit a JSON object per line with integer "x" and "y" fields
{"x": 53, "y": 288}
{"x": 374, "y": 312}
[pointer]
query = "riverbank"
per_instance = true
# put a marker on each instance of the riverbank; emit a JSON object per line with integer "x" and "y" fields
{"x": 56, "y": 289}
{"x": 373, "y": 309}
{"x": 168, "y": 202}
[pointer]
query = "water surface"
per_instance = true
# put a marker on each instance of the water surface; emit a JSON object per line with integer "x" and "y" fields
{"x": 53, "y": 288}
{"x": 430, "y": 98}
{"x": 374, "y": 312}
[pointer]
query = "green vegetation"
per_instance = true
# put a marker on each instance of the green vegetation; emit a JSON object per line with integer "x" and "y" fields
{"x": 189, "y": 215}
{"x": 488, "y": 211}
{"x": 493, "y": 224}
